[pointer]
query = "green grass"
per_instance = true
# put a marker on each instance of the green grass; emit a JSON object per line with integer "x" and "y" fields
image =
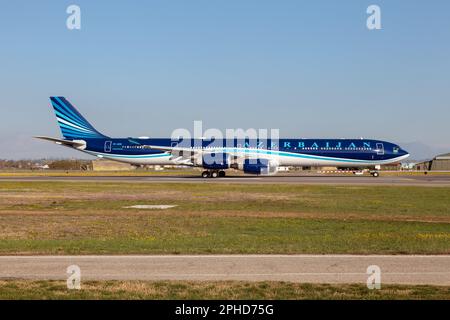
{"x": 21, "y": 289}
{"x": 89, "y": 218}
{"x": 379, "y": 200}
{"x": 174, "y": 234}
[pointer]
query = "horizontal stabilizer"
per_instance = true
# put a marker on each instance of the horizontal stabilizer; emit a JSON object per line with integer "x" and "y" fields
{"x": 75, "y": 144}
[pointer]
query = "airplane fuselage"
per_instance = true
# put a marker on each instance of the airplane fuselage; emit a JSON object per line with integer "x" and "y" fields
{"x": 286, "y": 152}
{"x": 257, "y": 156}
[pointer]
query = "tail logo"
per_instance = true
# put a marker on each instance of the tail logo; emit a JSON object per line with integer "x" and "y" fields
{"x": 72, "y": 124}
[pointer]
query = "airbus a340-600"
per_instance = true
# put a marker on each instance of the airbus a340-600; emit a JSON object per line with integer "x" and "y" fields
{"x": 218, "y": 155}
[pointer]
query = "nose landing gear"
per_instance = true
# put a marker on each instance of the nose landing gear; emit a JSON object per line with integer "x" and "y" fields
{"x": 375, "y": 174}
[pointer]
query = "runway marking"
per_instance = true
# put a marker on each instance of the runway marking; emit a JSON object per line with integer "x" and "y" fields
{"x": 150, "y": 206}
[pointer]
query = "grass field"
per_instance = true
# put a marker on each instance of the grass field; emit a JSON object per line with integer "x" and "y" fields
{"x": 90, "y": 218}
{"x": 174, "y": 290}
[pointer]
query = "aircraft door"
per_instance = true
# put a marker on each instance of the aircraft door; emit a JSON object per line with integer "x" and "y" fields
{"x": 380, "y": 149}
{"x": 108, "y": 146}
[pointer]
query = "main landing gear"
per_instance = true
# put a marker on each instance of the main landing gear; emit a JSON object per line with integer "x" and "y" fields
{"x": 213, "y": 174}
{"x": 375, "y": 174}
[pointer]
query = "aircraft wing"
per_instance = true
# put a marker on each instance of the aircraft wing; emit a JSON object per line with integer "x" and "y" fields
{"x": 182, "y": 156}
{"x": 170, "y": 149}
{"x": 185, "y": 154}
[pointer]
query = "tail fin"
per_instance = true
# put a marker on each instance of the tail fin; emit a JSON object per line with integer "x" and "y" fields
{"x": 72, "y": 124}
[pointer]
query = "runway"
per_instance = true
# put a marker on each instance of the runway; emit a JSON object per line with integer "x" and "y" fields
{"x": 431, "y": 270}
{"x": 407, "y": 180}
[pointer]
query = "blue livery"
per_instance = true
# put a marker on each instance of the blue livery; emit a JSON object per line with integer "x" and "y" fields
{"x": 217, "y": 155}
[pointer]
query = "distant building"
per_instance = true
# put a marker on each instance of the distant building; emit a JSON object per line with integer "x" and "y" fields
{"x": 441, "y": 162}
{"x": 423, "y": 165}
{"x": 438, "y": 163}
{"x": 407, "y": 166}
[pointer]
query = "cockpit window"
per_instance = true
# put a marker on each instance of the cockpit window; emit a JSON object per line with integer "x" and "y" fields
{"x": 396, "y": 149}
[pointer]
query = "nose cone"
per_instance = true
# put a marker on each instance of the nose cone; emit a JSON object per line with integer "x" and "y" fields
{"x": 404, "y": 153}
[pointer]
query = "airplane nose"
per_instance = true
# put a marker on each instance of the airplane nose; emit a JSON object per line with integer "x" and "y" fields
{"x": 404, "y": 153}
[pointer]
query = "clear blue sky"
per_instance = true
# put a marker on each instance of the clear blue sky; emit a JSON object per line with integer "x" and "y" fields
{"x": 309, "y": 68}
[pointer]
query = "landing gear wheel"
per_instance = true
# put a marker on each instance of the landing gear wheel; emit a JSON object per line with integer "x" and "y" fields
{"x": 205, "y": 174}
{"x": 214, "y": 174}
{"x": 375, "y": 174}
{"x": 221, "y": 173}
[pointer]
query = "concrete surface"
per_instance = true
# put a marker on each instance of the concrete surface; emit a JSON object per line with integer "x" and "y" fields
{"x": 433, "y": 270}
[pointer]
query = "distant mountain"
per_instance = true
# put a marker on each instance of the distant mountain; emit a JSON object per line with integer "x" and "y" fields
{"x": 421, "y": 151}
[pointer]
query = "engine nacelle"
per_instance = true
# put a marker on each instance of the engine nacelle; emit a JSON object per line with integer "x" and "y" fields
{"x": 259, "y": 166}
{"x": 216, "y": 161}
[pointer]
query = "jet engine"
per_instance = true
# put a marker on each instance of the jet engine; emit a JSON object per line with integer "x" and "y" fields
{"x": 259, "y": 166}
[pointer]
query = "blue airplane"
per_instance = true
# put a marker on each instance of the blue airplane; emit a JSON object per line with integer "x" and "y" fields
{"x": 254, "y": 156}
